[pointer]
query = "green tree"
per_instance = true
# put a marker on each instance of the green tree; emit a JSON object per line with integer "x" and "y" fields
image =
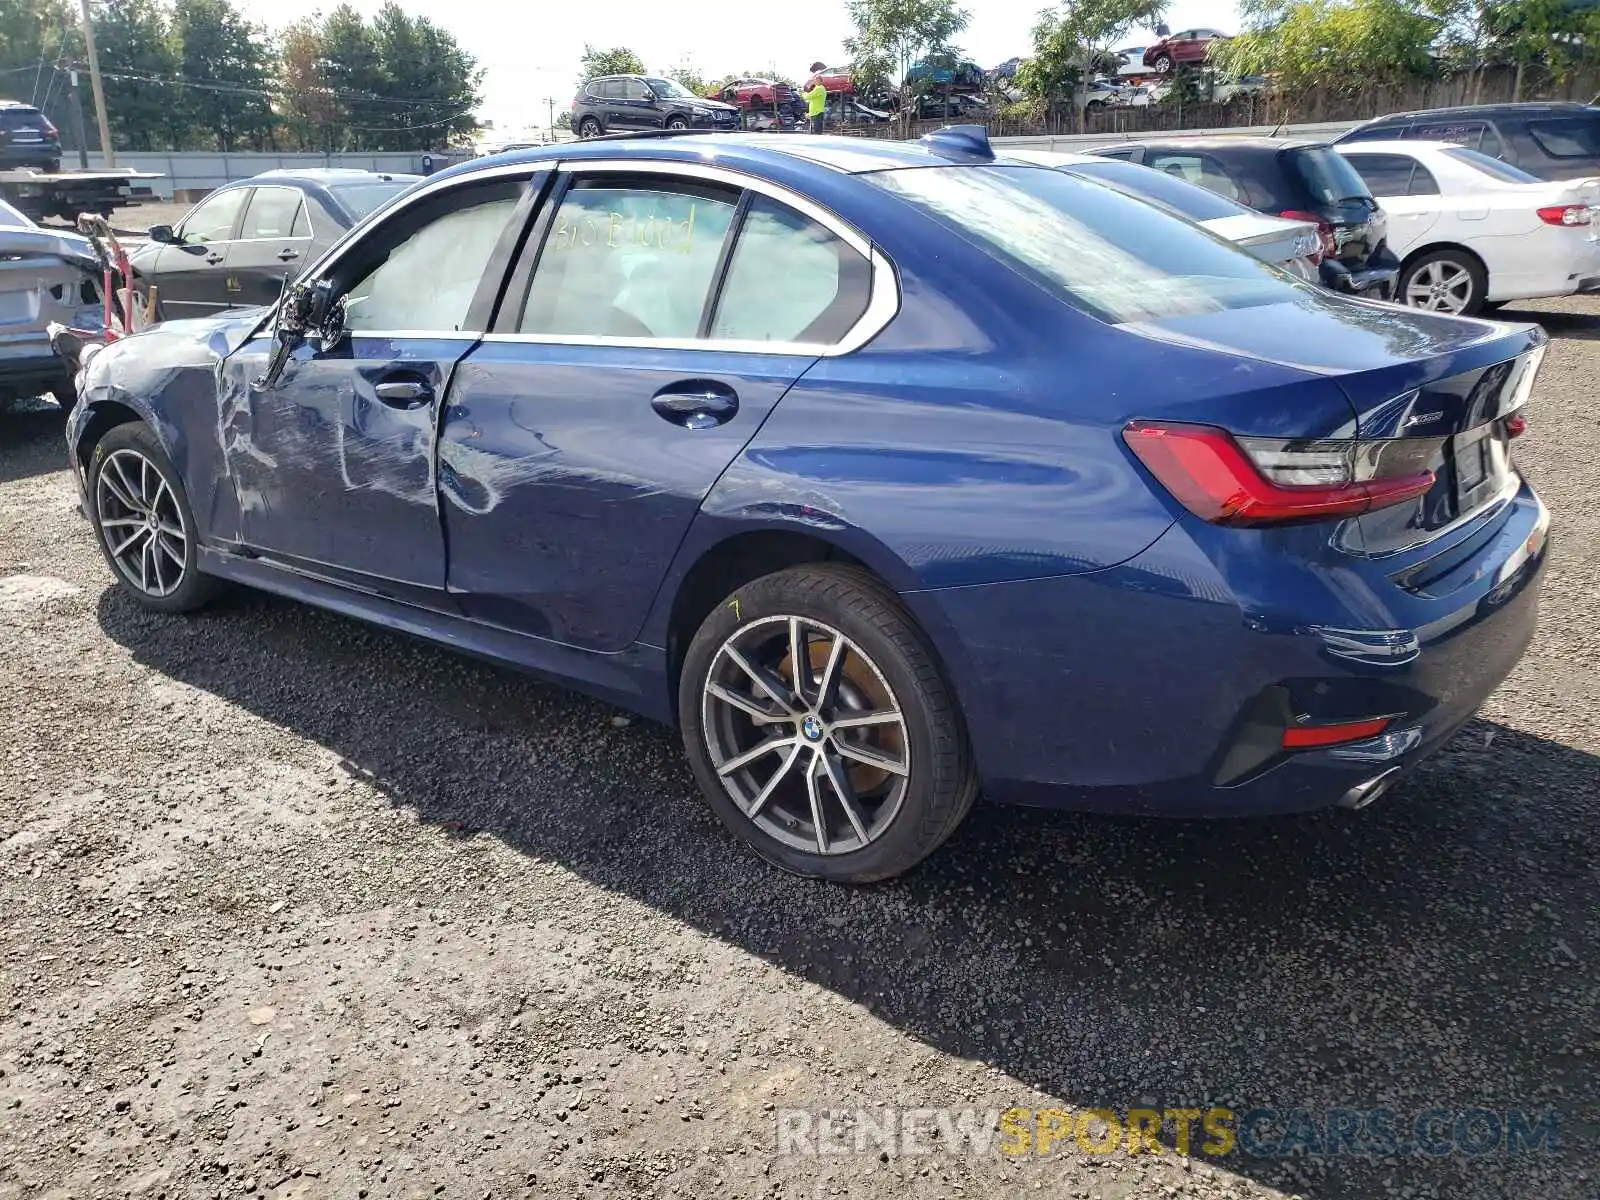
{"x": 1074, "y": 40}
{"x": 37, "y": 38}
{"x": 686, "y": 74}
{"x": 893, "y": 35}
{"x": 133, "y": 39}
{"x": 308, "y": 109}
{"x": 226, "y": 65}
{"x": 428, "y": 82}
{"x": 619, "y": 60}
{"x": 1312, "y": 44}
{"x": 350, "y": 65}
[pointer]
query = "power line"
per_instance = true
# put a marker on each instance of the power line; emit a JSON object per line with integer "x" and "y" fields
{"x": 239, "y": 89}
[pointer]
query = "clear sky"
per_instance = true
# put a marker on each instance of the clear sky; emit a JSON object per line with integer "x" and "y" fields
{"x": 530, "y": 51}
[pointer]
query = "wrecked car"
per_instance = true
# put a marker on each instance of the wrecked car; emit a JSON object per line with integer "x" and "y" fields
{"x": 46, "y": 276}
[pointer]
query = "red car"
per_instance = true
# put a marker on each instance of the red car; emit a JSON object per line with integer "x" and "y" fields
{"x": 755, "y": 93}
{"x": 837, "y": 80}
{"x": 1185, "y": 49}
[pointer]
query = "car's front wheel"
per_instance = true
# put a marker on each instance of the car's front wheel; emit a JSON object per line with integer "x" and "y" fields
{"x": 677, "y": 123}
{"x": 820, "y": 726}
{"x": 1446, "y": 281}
{"x": 1163, "y": 64}
{"x": 143, "y": 522}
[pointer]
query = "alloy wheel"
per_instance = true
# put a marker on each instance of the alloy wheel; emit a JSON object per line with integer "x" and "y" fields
{"x": 140, "y": 523}
{"x": 1440, "y": 286}
{"x": 806, "y": 735}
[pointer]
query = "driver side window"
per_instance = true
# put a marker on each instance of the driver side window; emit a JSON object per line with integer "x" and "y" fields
{"x": 215, "y": 219}
{"x": 424, "y": 266}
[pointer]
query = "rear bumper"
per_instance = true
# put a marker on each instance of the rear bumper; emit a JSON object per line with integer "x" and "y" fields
{"x": 24, "y": 370}
{"x": 1376, "y": 280}
{"x": 1129, "y": 690}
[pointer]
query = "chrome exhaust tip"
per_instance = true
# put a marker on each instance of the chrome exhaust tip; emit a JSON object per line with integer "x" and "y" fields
{"x": 1364, "y": 794}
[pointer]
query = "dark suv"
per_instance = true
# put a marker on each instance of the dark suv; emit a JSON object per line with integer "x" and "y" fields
{"x": 27, "y": 139}
{"x": 1552, "y": 141}
{"x": 620, "y": 103}
{"x": 1295, "y": 178}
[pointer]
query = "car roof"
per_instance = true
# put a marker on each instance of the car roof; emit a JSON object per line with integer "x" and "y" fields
{"x": 324, "y": 176}
{"x": 751, "y": 151}
{"x": 18, "y": 105}
{"x": 1524, "y": 108}
{"x": 1262, "y": 145}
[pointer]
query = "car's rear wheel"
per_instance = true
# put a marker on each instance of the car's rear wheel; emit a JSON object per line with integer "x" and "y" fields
{"x": 820, "y": 726}
{"x": 588, "y": 128}
{"x": 143, "y": 522}
{"x": 1446, "y": 281}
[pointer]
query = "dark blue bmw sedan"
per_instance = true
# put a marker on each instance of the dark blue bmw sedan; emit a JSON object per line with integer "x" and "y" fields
{"x": 891, "y": 474}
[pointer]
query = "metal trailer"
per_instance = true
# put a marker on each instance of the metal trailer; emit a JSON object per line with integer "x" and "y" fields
{"x": 65, "y": 194}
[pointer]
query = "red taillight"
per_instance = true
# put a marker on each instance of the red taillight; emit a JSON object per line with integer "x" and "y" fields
{"x": 1516, "y": 425}
{"x": 1310, "y": 737}
{"x": 49, "y": 129}
{"x": 1269, "y": 481}
{"x": 1330, "y": 245}
{"x": 1567, "y": 214}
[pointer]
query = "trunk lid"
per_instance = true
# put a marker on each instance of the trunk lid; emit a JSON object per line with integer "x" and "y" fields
{"x": 1339, "y": 196}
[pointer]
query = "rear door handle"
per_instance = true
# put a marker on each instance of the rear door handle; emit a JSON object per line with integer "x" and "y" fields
{"x": 404, "y": 393}
{"x": 696, "y": 403}
{"x": 214, "y": 258}
{"x": 286, "y": 255}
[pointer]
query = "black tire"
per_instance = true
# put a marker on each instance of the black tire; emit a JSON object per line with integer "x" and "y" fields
{"x": 1453, "y": 266}
{"x": 589, "y": 128}
{"x": 677, "y": 122}
{"x": 937, "y": 779}
{"x": 191, "y": 590}
{"x": 1163, "y": 64}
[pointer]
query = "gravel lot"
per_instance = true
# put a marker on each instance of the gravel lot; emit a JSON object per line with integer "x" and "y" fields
{"x": 294, "y": 907}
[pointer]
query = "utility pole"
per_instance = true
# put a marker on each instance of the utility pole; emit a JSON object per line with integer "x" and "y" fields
{"x": 79, "y": 131}
{"x": 99, "y": 89}
{"x": 550, "y": 101}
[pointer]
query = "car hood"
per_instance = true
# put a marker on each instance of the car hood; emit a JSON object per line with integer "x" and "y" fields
{"x": 708, "y": 105}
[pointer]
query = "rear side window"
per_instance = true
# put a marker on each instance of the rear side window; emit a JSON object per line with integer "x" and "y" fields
{"x": 629, "y": 261}
{"x": 1384, "y": 174}
{"x": 272, "y": 213}
{"x": 1569, "y": 137}
{"x": 1117, "y": 258}
{"x": 1328, "y": 176}
{"x": 1473, "y": 134}
{"x": 1196, "y": 203}
{"x": 790, "y": 280}
{"x": 1423, "y": 183}
{"x": 1199, "y": 169}
{"x": 1493, "y": 167}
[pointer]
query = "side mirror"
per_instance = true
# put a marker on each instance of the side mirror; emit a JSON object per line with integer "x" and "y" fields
{"x": 162, "y": 234}
{"x": 289, "y": 328}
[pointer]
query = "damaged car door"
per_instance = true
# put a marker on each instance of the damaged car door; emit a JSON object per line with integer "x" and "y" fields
{"x": 333, "y": 451}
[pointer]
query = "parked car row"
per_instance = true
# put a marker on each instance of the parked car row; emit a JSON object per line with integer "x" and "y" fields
{"x": 888, "y": 473}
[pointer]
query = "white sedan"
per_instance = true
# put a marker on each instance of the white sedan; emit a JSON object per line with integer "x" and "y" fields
{"x": 1471, "y": 230}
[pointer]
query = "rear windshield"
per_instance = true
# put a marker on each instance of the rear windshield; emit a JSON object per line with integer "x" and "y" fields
{"x": 358, "y": 199}
{"x": 21, "y": 118}
{"x": 1115, "y": 257}
{"x": 1192, "y": 201}
{"x": 1569, "y": 137}
{"x": 1330, "y": 178}
{"x": 1493, "y": 167}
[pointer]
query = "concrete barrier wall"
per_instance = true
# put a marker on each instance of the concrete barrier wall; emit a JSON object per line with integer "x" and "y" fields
{"x": 190, "y": 174}
{"x": 198, "y": 172}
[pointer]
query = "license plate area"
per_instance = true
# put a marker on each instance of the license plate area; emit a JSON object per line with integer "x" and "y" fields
{"x": 1481, "y": 464}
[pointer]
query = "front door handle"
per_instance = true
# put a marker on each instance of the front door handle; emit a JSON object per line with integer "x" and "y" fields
{"x": 287, "y": 255}
{"x": 404, "y": 393}
{"x": 214, "y": 258}
{"x": 696, "y": 403}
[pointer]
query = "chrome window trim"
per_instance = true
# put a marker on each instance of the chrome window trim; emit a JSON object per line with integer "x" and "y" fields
{"x": 883, "y": 302}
